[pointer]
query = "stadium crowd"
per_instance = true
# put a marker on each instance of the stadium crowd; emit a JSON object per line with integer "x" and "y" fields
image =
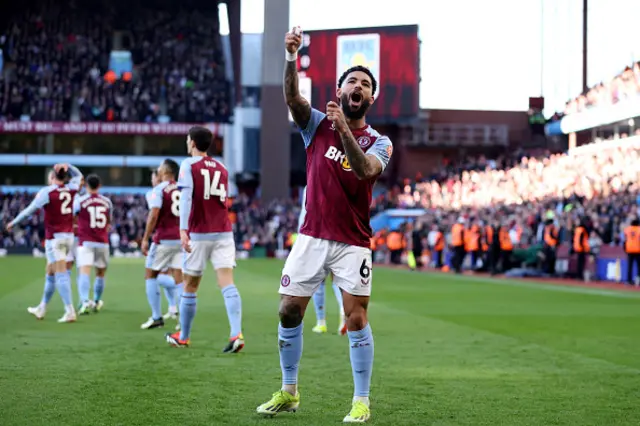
{"x": 598, "y": 182}
{"x": 596, "y": 185}
{"x": 624, "y": 86}
{"x": 56, "y": 58}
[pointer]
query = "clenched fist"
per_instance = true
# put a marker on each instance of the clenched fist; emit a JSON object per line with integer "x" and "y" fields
{"x": 336, "y": 116}
{"x": 293, "y": 40}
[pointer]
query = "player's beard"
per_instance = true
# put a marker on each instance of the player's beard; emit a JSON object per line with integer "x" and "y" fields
{"x": 354, "y": 114}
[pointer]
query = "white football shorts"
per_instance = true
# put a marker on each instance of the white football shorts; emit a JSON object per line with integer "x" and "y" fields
{"x": 93, "y": 256}
{"x": 57, "y": 249}
{"x": 162, "y": 257}
{"x": 71, "y": 256}
{"x": 311, "y": 259}
{"x": 221, "y": 253}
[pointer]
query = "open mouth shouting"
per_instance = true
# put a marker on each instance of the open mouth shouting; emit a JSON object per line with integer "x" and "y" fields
{"x": 355, "y": 100}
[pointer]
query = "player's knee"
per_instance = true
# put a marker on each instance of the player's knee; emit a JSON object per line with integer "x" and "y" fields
{"x": 191, "y": 283}
{"x": 291, "y": 313}
{"x": 225, "y": 277}
{"x": 60, "y": 267}
{"x": 177, "y": 276}
{"x": 150, "y": 274}
{"x": 357, "y": 320}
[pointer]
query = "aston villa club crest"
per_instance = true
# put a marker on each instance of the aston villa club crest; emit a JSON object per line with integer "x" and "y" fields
{"x": 364, "y": 141}
{"x": 285, "y": 281}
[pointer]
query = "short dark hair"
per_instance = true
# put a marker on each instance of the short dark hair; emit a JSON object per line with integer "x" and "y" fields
{"x": 172, "y": 166}
{"x": 93, "y": 181}
{"x": 201, "y": 137}
{"x": 62, "y": 174}
{"x": 367, "y": 71}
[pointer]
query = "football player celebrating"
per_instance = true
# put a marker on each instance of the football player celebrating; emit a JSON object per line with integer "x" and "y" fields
{"x": 344, "y": 158}
{"x": 57, "y": 202}
{"x": 95, "y": 215}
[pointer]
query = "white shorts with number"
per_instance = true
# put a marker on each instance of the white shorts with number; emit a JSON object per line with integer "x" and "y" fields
{"x": 311, "y": 259}
{"x": 221, "y": 253}
{"x": 71, "y": 256}
{"x": 162, "y": 257}
{"x": 93, "y": 256}
{"x": 57, "y": 249}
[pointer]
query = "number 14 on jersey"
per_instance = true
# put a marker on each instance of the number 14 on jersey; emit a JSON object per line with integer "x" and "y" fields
{"x": 212, "y": 186}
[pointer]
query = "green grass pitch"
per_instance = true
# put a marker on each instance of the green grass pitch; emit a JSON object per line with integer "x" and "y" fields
{"x": 449, "y": 351}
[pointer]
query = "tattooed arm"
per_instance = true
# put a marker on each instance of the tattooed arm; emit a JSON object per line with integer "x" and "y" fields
{"x": 299, "y": 106}
{"x": 365, "y": 166}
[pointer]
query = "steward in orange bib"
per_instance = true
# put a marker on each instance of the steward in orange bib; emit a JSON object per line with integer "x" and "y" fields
{"x": 632, "y": 248}
{"x": 438, "y": 246}
{"x": 581, "y": 246}
{"x": 395, "y": 244}
{"x": 472, "y": 242}
{"x": 492, "y": 255}
{"x": 457, "y": 244}
{"x": 506, "y": 247}
{"x": 378, "y": 242}
{"x": 550, "y": 246}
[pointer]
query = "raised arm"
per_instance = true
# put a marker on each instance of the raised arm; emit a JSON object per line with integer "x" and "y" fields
{"x": 299, "y": 106}
{"x": 41, "y": 200}
{"x": 76, "y": 175}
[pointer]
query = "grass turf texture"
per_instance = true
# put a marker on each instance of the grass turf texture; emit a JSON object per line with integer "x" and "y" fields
{"x": 449, "y": 351}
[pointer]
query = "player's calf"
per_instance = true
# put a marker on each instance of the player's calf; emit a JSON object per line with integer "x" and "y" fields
{"x": 188, "y": 306}
{"x": 233, "y": 306}
{"x": 361, "y": 351}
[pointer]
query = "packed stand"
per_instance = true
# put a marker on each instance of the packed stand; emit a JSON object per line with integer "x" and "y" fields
{"x": 624, "y": 86}
{"x": 584, "y": 173}
{"x": 593, "y": 191}
{"x": 254, "y": 225}
{"x": 46, "y": 51}
{"x": 56, "y": 58}
{"x": 183, "y": 55}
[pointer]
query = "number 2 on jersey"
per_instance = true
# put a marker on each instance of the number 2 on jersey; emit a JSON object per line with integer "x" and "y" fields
{"x": 213, "y": 187}
{"x": 65, "y": 200}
